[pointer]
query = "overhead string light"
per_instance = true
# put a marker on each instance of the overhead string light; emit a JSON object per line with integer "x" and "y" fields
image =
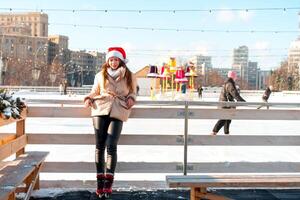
{"x": 158, "y": 10}
{"x": 214, "y": 56}
{"x": 174, "y": 29}
{"x": 187, "y": 50}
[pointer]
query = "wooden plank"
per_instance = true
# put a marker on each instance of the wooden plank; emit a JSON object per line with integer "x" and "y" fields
{"x": 12, "y": 147}
{"x": 20, "y": 131}
{"x": 244, "y": 167}
{"x": 234, "y": 181}
{"x": 211, "y": 196}
{"x": 34, "y": 180}
{"x": 168, "y": 103}
{"x": 158, "y": 112}
{"x": 195, "y": 140}
{"x": 176, "y": 167}
{"x": 6, "y": 193}
{"x": 242, "y": 114}
{"x": 173, "y": 113}
{"x": 92, "y": 184}
{"x": 216, "y": 176}
{"x": 4, "y": 122}
{"x": 201, "y": 193}
{"x": 80, "y": 112}
{"x": 12, "y": 196}
{"x": 84, "y": 139}
{"x": 23, "y": 166}
{"x": 12, "y": 120}
{"x": 55, "y": 101}
{"x": 51, "y": 111}
{"x": 244, "y": 140}
{"x": 5, "y": 138}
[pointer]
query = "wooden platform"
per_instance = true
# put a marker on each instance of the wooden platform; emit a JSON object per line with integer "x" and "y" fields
{"x": 199, "y": 183}
{"x": 21, "y": 174}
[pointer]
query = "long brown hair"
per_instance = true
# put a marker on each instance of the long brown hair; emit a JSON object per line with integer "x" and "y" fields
{"x": 128, "y": 74}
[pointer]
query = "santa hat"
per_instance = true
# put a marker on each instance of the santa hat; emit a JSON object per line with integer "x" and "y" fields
{"x": 232, "y": 74}
{"x": 116, "y": 52}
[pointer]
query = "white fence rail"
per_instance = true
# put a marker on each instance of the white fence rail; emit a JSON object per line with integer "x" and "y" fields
{"x": 170, "y": 110}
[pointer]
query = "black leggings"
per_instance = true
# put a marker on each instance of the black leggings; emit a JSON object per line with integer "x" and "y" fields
{"x": 107, "y": 132}
{"x": 220, "y": 124}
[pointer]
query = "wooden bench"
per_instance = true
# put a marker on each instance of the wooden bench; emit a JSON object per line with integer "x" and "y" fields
{"x": 21, "y": 174}
{"x": 200, "y": 183}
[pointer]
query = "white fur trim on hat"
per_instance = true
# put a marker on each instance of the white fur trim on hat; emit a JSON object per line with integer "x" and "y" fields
{"x": 115, "y": 54}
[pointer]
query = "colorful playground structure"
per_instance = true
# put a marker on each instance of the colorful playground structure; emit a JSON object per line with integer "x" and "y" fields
{"x": 173, "y": 80}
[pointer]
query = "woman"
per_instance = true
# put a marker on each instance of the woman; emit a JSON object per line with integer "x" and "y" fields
{"x": 229, "y": 93}
{"x": 111, "y": 98}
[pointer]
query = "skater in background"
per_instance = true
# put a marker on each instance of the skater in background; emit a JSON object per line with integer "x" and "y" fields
{"x": 65, "y": 85}
{"x": 61, "y": 89}
{"x": 111, "y": 98}
{"x": 266, "y": 96}
{"x": 228, "y": 93}
{"x": 200, "y": 90}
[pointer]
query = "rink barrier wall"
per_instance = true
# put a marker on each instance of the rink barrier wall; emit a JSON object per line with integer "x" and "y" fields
{"x": 183, "y": 110}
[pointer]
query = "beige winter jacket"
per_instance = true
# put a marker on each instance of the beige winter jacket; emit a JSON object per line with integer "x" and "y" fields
{"x": 111, "y": 98}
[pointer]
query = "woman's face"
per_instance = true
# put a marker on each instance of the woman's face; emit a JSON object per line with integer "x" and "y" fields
{"x": 114, "y": 62}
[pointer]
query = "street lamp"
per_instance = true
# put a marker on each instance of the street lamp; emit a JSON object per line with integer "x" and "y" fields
{"x": 82, "y": 70}
{"x": 81, "y": 74}
{"x": 37, "y": 70}
{"x": 36, "y": 74}
{"x": 66, "y": 70}
{"x": 54, "y": 67}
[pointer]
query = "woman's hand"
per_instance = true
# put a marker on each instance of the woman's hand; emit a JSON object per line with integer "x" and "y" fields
{"x": 130, "y": 102}
{"x": 88, "y": 103}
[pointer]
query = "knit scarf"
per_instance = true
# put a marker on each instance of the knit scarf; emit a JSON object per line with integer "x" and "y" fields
{"x": 116, "y": 74}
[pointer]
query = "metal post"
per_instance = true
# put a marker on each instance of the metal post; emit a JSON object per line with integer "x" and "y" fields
{"x": 81, "y": 75}
{"x": 35, "y": 62}
{"x": 185, "y": 138}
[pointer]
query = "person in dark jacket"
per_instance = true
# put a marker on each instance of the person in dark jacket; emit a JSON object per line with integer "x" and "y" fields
{"x": 200, "y": 90}
{"x": 266, "y": 96}
{"x": 228, "y": 93}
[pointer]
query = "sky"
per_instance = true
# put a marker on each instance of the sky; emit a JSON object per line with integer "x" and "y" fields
{"x": 155, "y": 46}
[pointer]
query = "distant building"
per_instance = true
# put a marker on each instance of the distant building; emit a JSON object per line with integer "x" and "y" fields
{"x": 240, "y": 62}
{"x": 222, "y": 72}
{"x": 263, "y": 79}
{"x": 19, "y": 29}
{"x": 84, "y": 67}
{"x": 294, "y": 55}
{"x": 22, "y": 52}
{"x": 23, "y": 47}
{"x": 99, "y": 59}
{"x": 252, "y": 75}
{"x": 58, "y": 49}
{"x": 203, "y": 65}
{"x": 35, "y": 21}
